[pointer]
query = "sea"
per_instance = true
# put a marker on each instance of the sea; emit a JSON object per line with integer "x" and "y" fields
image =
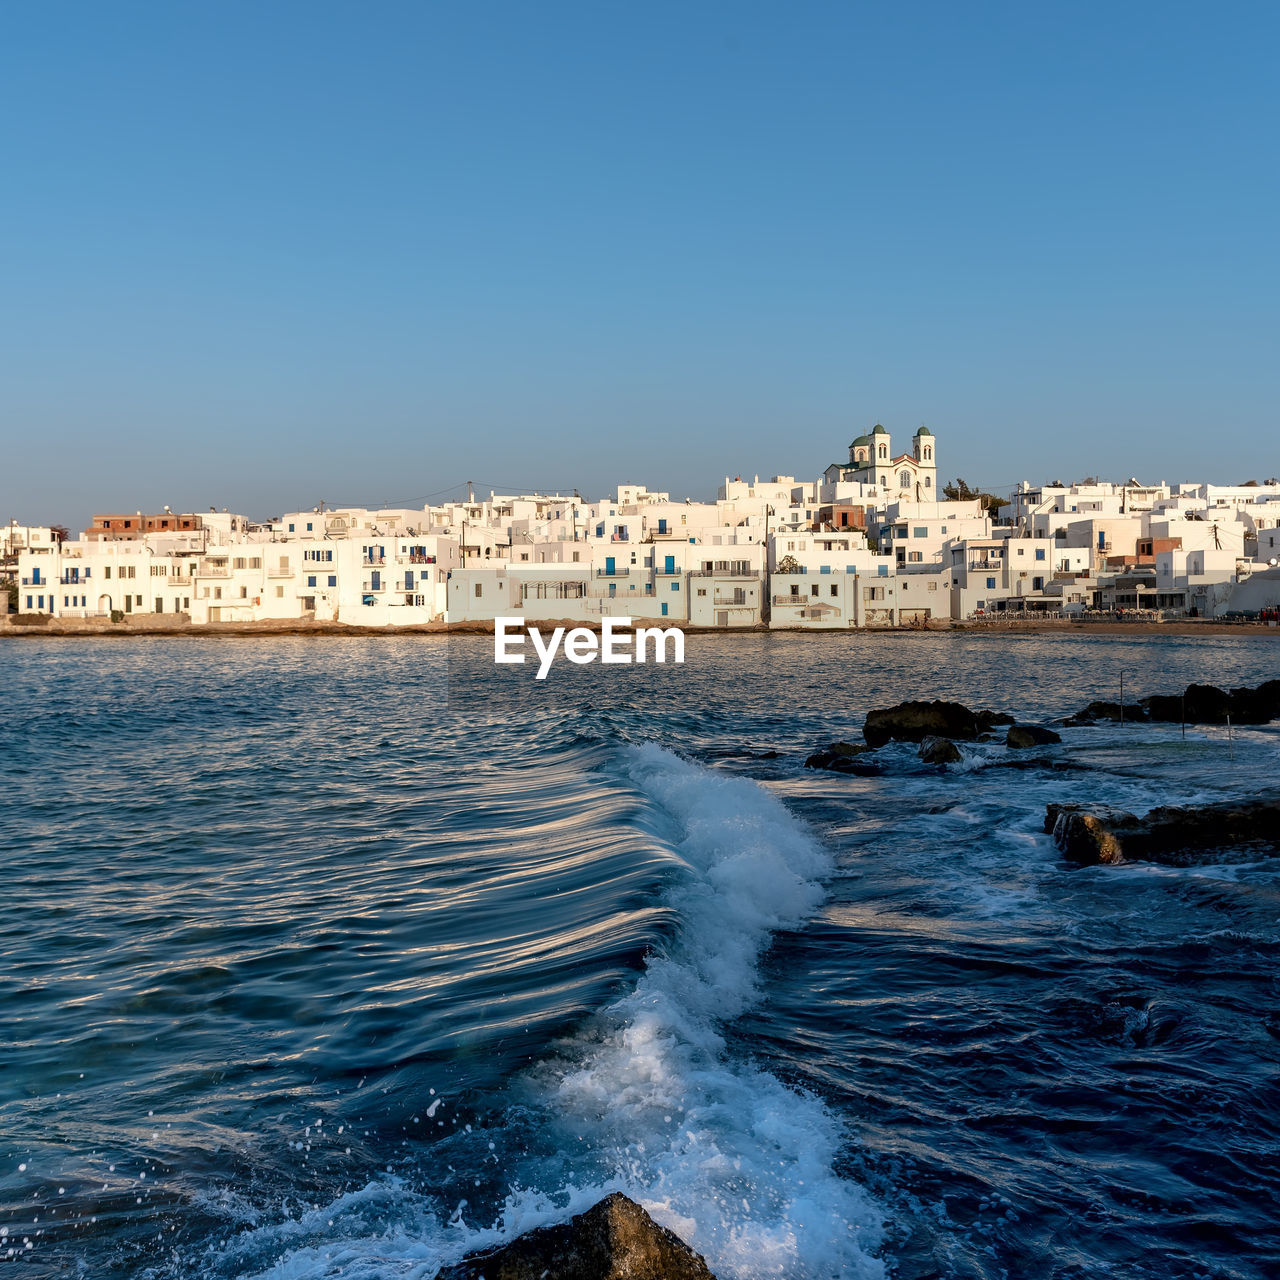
{"x": 345, "y": 957}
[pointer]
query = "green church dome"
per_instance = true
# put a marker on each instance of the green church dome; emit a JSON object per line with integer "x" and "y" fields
{"x": 879, "y": 431}
{"x": 924, "y": 431}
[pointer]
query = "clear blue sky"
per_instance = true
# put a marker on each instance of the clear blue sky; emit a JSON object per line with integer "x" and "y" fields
{"x": 256, "y": 255}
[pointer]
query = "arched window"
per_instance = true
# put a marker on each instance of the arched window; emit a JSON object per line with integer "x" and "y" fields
{"x": 904, "y": 479}
{"x": 928, "y": 482}
{"x": 884, "y": 451}
{"x": 928, "y": 452}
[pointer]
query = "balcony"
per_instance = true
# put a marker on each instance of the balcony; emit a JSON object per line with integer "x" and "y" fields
{"x": 280, "y": 571}
{"x": 415, "y": 558}
{"x": 613, "y": 573}
{"x": 737, "y": 572}
{"x": 74, "y": 580}
{"x": 369, "y": 588}
{"x": 373, "y": 562}
{"x": 986, "y": 564}
{"x": 213, "y": 571}
{"x": 37, "y": 582}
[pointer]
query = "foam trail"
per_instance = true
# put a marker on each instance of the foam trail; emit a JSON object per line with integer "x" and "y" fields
{"x": 648, "y": 1100}
{"x": 727, "y": 1156}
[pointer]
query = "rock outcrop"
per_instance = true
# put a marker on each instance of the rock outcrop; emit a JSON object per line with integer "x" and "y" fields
{"x": 842, "y": 757}
{"x": 940, "y": 751}
{"x": 916, "y": 721}
{"x": 1199, "y": 704}
{"x": 614, "y": 1240}
{"x": 1023, "y": 736}
{"x": 1179, "y": 837}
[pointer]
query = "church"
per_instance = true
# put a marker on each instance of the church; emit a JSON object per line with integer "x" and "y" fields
{"x": 912, "y": 476}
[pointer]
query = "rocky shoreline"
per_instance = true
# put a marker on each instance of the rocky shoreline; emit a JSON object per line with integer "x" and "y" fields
{"x": 1090, "y": 835}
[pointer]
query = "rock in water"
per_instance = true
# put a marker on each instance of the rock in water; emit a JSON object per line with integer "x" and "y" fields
{"x": 841, "y": 757}
{"x": 614, "y": 1240}
{"x": 1178, "y": 837}
{"x": 1022, "y": 736}
{"x": 1096, "y": 711}
{"x": 916, "y": 721}
{"x": 940, "y": 751}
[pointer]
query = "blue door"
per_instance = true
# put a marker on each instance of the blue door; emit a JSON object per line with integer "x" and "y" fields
{"x": 662, "y": 526}
{"x": 664, "y": 610}
{"x": 608, "y": 564}
{"x": 669, "y": 564}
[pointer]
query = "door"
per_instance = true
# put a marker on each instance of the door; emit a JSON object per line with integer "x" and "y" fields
{"x": 608, "y": 564}
{"x": 669, "y": 564}
{"x": 662, "y": 526}
{"x": 722, "y": 618}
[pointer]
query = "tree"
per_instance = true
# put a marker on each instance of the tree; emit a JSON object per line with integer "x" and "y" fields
{"x": 958, "y": 491}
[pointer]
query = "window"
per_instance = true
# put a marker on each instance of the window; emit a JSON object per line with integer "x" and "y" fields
{"x": 1039, "y": 553}
{"x": 241, "y": 562}
{"x": 291, "y": 528}
{"x": 882, "y": 570}
{"x": 255, "y": 562}
{"x": 477, "y": 591}
{"x": 920, "y": 531}
{"x": 991, "y": 584}
{"x": 835, "y": 590}
{"x": 675, "y": 586}
{"x": 308, "y": 526}
{"x": 333, "y": 579}
{"x": 244, "y": 593}
{"x": 279, "y": 593}
{"x": 915, "y": 556}
{"x": 1037, "y": 584}
{"x": 904, "y": 479}
{"x": 702, "y": 591}
{"x": 217, "y": 593}
{"x": 311, "y": 580}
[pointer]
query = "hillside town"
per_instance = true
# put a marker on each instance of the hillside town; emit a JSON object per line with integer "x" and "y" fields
{"x": 874, "y": 541}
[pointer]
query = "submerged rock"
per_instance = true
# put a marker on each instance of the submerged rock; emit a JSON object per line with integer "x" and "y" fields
{"x": 1175, "y": 836}
{"x": 1096, "y": 711}
{"x": 940, "y": 751}
{"x": 842, "y": 757}
{"x": 1023, "y": 736}
{"x": 614, "y": 1240}
{"x": 990, "y": 719}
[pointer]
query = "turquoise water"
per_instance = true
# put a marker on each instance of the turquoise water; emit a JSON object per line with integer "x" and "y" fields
{"x": 344, "y": 956}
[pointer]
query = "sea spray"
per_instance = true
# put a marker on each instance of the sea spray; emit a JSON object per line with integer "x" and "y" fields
{"x": 737, "y": 1163}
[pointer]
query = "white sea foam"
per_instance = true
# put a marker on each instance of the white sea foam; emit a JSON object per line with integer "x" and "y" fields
{"x": 649, "y": 1101}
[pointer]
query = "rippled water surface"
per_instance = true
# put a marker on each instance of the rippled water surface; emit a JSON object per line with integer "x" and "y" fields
{"x": 345, "y": 956}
